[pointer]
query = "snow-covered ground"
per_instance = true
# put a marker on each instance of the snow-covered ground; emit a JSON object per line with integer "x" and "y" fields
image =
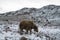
{"x": 46, "y": 18}
{"x": 9, "y": 31}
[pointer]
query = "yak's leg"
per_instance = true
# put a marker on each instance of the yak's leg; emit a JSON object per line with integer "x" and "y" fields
{"x": 27, "y": 28}
{"x": 26, "y": 31}
{"x": 30, "y": 31}
{"x": 21, "y": 31}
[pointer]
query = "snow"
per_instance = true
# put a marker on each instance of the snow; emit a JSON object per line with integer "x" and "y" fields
{"x": 9, "y": 29}
{"x": 12, "y": 34}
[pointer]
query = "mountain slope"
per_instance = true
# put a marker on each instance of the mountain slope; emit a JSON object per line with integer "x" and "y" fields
{"x": 44, "y": 15}
{"x": 46, "y": 18}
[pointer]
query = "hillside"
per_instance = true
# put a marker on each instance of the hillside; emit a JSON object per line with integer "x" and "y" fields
{"x": 46, "y": 18}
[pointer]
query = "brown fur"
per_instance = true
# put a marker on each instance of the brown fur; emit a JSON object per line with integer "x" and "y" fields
{"x": 27, "y": 25}
{"x": 23, "y": 38}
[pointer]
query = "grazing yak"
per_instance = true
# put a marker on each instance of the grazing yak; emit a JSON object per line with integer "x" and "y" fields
{"x": 28, "y": 26}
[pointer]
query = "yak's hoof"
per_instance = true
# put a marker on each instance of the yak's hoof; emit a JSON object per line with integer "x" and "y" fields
{"x": 26, "y": 32}
{"x": 21, "y": 33}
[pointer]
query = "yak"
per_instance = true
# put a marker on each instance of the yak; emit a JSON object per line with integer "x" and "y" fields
{"x": 28, "y": 26}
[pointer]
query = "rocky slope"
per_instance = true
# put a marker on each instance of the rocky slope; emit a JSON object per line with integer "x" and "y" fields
{"x": 46, "y": 18}
{"x": 49, "y": 14}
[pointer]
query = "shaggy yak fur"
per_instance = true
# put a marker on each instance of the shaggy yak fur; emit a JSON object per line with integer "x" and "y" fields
{"x": 27, "y": 25}
{"x": 23, "y": 38}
